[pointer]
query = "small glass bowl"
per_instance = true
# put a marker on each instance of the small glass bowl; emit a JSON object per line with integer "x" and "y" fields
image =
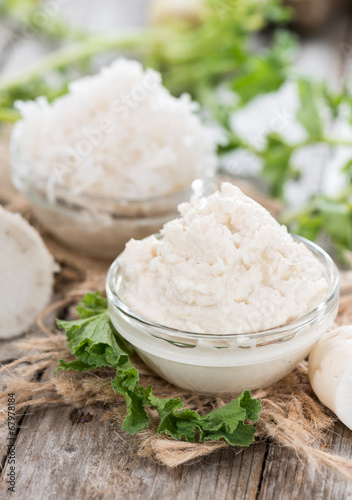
{"x": 229, "y": 363}
{"x": 95, "y": 225}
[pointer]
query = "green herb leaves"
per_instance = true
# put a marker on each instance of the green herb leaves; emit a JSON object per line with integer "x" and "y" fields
{"x": 327, "y": 216}
{"x": 265, "y": 72}
{"x": 308, "y": 113}
{"x": 95, "y": 343}
{"x": 92, "y": 340}
{"x": 276, "y": 163}
{"x": 225, "y": 423}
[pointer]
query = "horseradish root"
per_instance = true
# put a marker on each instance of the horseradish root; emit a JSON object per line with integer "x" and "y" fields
{"x": 26, "y": 270}
{"x": 330, "y": 372}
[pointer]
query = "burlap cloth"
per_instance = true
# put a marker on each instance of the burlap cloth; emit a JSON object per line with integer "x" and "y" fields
{"x": 291, "y": 415}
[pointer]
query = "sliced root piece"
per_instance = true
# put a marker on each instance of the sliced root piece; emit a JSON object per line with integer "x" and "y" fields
{"x": 26, "y": 274}
{"x": 330, "y": 372}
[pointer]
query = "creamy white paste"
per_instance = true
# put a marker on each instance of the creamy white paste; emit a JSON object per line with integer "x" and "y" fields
{"x": 225, "y": 266}
{"x": 117, "y": 134}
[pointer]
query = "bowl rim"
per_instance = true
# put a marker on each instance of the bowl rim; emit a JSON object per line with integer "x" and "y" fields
{"x": 332, "y": 294}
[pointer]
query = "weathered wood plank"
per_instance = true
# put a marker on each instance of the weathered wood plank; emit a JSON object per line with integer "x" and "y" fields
{"x": 3, "y": 443}
{"x": 63, "y": 460}
{"x": 286, "y": 476}
{"x": 8, "y": 436}
{"x": 332, "y": 486}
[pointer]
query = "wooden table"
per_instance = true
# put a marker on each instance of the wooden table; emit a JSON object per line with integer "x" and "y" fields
{"x": 60, "y": 455}
{"x": 64, "y": 453}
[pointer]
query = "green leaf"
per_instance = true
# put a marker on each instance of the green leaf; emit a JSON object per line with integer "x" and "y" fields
{"x": 164, "y": 406}
{"x": 327, "y": 216}
{"x": 137, "y": 418}
{"x": 243, "y": 435}
{"x": 347, "y": 169}
{"x": 126, "y": 385}
{"x": 333, "y": 99}
{"x": 309, "y": 226}
{"x": 95, "y": 343}
{"x": 228, "y": 420}
{"x": 76, "y": 365}
{"x": 265, "y": 72}
{"x": 92, "y": 304}
{"x": 93, "y": 340}
{"x": 251, "y": 405}
{"x": 260, "y": 76}
{"x": 181, "y": 425}
{"x": 337, "y": 221}
{"x": 308, "y": 112}
{"x": 227, "y": 416}
{"x": 276, "y": 168}
{"x": 225, "y": 423}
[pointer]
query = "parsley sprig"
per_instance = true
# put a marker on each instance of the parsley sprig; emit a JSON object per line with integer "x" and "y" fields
{"x": 95, "y": 343}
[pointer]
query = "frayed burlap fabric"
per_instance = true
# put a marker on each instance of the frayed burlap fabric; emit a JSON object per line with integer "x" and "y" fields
{"x": 291, "y": 415}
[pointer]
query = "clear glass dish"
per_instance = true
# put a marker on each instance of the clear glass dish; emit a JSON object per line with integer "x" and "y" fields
{"x": 95, "y": 225}
{"x": 231, "y": 362}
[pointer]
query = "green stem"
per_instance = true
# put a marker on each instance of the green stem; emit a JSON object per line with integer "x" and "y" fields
{"x": 298, "y": 145}
{"x": 337, "y": 142}
{"x": 9, "y": 115}
{"x": 289, "y": 216}
{"x": 77, "y": 52}
{"x": 54, "y": 27}
{"x": 324, "y": 140}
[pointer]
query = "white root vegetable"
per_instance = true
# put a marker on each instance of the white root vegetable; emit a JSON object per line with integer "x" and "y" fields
{"x": 26, "y": 274}
{"x": 161, "y": 11}
{"x": 330, "y": 372}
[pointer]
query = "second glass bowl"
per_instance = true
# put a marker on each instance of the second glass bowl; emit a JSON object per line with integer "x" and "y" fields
{"x": 100, "y": 227}
{"x": 95, "y": 225}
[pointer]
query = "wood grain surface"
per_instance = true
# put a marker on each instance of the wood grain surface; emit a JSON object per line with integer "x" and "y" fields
{"x": 285, "y": 476}
{"x": 65, "y": 453}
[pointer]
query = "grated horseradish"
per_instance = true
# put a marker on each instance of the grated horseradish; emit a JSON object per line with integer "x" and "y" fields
{"x": 225, "y": 266}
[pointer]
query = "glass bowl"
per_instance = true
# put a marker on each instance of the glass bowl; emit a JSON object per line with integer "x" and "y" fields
{"x": 95, "y": 225}
{"x": 231, "y": 362}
